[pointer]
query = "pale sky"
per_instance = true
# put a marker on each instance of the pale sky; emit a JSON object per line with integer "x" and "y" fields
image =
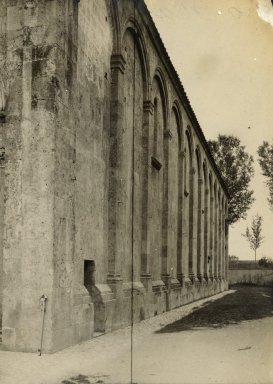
{"x": 223, "y": 53}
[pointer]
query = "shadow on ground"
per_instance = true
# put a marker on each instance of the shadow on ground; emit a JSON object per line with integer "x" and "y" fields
{"x": 247, "y": 303}
{"x": 82, "y": 379}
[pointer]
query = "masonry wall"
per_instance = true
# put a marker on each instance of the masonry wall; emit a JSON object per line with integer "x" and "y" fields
{"x": 251, "y": 276}
{"x": 109, "y": 185}
{"x": 28, "y": 139}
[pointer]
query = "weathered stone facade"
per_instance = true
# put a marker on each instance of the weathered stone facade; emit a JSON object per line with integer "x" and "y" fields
{"x": 109, "y": 196}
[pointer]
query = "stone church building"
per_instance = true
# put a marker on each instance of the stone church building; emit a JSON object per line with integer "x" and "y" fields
{"x": 111, "y": 204}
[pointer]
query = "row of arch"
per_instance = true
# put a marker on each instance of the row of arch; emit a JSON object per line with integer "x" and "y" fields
{"x": 167, "y": 210}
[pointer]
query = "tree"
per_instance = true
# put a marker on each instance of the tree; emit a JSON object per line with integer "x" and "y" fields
{"x": 254, "y": 234}
{"x": 265, "y": 262}
{"x": 236, "y": 167}
{"x": 233, "y": 260}
{"x": 265, "y": 153}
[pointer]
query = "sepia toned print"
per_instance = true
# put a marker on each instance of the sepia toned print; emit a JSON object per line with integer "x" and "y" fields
{"x": 116, "y": 261}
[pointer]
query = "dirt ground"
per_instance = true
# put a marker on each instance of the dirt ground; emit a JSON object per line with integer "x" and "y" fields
{"x": 224, "y": 339}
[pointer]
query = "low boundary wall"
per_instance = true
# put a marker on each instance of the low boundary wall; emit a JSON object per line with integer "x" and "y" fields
{"x": 251, "y": 276}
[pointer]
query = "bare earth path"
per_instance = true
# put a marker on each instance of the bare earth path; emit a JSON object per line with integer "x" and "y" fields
{"x": 224, "y": 339}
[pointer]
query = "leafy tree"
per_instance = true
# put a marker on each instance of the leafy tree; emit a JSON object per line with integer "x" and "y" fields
{"x": 265, "y": 152}
{"x": 233, "y": 260}
{"x": 254, "y": 234}
{"x": 265, "y": 262}
{"x": 236, "y": 167}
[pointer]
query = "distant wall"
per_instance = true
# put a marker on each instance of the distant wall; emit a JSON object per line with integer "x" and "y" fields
{"x": 251, "y": 276}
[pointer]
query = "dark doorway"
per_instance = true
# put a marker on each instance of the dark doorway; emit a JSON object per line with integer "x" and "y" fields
{"x": 89, "y": 274}
{"x": 96, "y": 297}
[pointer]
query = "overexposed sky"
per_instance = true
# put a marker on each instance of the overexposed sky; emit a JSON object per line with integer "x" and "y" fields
{"x": 223, "y": 53}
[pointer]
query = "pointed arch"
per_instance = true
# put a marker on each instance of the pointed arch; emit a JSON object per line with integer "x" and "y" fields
{"x": 206, "y": 231}
{"x": 211, "y": 227}
{"x": 215, "y": 247}
{"x": 205, "y": 173}
{"x": 197, "y": 212}
{"x": 132, "y": 25}
{"x": 219, "y": 242}
{"x": 160, "y": 79}
{"x": 172, "y": 199}
{"x": 189, "y": 141}
{"x": 178, "y": 115}
{"x": 198, "y": 160}
{"x": 223, "y": 272}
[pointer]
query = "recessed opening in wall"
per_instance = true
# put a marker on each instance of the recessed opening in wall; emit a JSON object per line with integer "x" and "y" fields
{"x": 2, "y": 117}
{"x": 89, "y": 273}
{"x": 156, "y": 163}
